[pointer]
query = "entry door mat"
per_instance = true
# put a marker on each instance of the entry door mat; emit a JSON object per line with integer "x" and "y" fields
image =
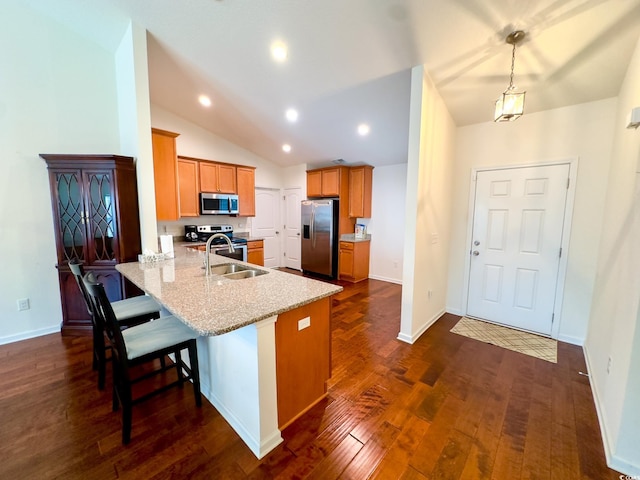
{"x": 516, "y": 340}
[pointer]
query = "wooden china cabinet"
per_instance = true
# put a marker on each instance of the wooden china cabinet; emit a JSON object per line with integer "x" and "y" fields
{"x": 94, "y": 199}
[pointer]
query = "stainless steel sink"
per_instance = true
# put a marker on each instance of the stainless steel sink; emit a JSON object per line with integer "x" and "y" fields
{"x": 235, "y": 271}
{"x": 248, "y": 273}
{"x": 228, "y": 268}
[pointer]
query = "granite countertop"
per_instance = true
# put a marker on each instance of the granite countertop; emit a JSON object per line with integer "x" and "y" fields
{"x": 215, "y": 305}
{"x": 351, "y": 237}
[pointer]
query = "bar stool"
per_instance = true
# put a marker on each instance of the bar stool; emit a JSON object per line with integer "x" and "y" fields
{"x": 141, "y": 344}
{"x": 128, "y": 312}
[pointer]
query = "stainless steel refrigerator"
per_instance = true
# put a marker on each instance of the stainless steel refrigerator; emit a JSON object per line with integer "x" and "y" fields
{"x": 320, "y": 237}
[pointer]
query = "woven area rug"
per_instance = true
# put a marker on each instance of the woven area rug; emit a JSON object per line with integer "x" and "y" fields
{"x": 523, "y": 342}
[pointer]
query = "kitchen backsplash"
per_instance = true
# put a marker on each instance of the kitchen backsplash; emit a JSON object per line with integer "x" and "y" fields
{"x": 176, "y": 228}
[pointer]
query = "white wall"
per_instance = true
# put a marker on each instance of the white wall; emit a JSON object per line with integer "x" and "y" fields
{"x": 132, "y": 77}
{"x": 197, "y": 142}
{"x": 614, "y": 330}
{"x": 57, "y": 95}
{"x": 583, "y": 131}
{"x": 432, "y": 135}
{"x": 387, "y": 222}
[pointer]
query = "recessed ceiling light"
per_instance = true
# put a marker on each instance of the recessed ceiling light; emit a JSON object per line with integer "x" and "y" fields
{"x": 279, "y": 51}
{"x": 204, "y": 101}
{"x": 291, "y": 114}
{"x": 286, "y": 148}
{"x": 363, "y": 129}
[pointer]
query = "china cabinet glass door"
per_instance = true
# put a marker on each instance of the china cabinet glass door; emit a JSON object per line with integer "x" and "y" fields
{"x": 71, "y": 215}
{"x": 100, "y": 217}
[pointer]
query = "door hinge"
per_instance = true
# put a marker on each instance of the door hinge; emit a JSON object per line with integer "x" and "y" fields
{"x": 553, "y": 316}
{"x": 568, "y": 181}
{"x": 560, "y": 254}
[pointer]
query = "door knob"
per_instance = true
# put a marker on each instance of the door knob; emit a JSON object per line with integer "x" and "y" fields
{"x": 277, "y": 232}
{"x": 476, "y": 253}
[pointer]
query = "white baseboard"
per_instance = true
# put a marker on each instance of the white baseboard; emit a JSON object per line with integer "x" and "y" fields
{"x": 412, "y": 338}
{"x": 30, "y": 334}
{"x": 614, "y": 462}
{"x": 259, "y": 449}
{"x": 386, "y": 279}
{"x": 572, "y": 340}
{"x": 455, "y": 311}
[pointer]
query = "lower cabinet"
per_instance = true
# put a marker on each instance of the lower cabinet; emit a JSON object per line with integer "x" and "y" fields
{"x": 354, "y": 261}
{"x": 303, "y": 358}
{"x": 255, "y": 252}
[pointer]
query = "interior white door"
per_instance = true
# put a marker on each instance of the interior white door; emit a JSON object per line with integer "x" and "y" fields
{"x": 292, "y": 199}
{"x": 266, "y": 224}
{"x": 516, "y": 240}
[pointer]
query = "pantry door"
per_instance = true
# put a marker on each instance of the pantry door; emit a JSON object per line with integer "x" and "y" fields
{"x": 266, "y": 224}
{"x": 516, "y": 245}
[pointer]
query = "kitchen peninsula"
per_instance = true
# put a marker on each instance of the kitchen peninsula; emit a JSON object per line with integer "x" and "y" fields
{"x": 265, "y": 344}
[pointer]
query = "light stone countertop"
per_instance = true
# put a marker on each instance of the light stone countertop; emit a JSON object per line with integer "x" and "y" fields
{"x": 351, "y": 237}
{"x": 215, "y": 305}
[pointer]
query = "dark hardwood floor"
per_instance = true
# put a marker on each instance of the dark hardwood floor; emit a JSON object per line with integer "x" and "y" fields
{"x": 446, "y": 407}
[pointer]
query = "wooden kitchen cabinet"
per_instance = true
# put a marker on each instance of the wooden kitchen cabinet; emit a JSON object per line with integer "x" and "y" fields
{"x": 334, "y": 182}
{"x": 246, "y": 177}
{"x": 314, "y": 183}
{"x": 94, "y": 200}
{"x": 217, "y": 177}
{"x": 165, "y": 174}
{"x": 360, "y": 186}
{"x": 255, "y": 252}
{"x": 303, "y": 359}
{"x": 354, "y": 261}
{"x": 189, "y": 205}
{"x": 326, "y": 182}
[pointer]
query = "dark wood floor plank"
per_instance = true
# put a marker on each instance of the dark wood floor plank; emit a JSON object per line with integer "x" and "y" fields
{"x": 397, "y": 457}
{"x": 444, "y": 407}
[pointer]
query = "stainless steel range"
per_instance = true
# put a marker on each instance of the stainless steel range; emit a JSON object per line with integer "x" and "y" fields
{"x": 201, "y": 233}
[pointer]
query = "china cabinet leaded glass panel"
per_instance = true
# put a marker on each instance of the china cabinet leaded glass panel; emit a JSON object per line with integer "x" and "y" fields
{"x": 100, "y": 216}
{"x": 71, "y": 214}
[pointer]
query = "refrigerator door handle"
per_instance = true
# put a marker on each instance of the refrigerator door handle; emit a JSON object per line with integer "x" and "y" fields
{"x": 312, "y": 226}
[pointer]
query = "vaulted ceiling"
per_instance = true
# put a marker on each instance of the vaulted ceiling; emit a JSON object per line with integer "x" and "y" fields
{"x": 349, "y": 63}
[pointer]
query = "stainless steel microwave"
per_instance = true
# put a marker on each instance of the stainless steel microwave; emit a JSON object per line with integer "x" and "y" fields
{"x": 218, "y": 204}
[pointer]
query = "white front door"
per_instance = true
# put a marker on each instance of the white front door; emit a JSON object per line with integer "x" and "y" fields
{"x": 515, "y": 246}
{"x": 266, "y": 224}
{"x": 292, "y": 199}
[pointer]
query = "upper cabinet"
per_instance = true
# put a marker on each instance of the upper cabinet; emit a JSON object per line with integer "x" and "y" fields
{"x": 360, "y": 185}
{"x": 326, "y": 182}
{"x": 165, "y": 173}
{"x": 188, "y": 187}
{"x": 218, "y": 177}
{"x": 246, "y": 191}
{"x": 352, "y": 185}
{"x": 332, "y": 182}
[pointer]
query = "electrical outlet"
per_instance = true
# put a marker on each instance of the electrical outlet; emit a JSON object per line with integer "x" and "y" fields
{"x": 609, "y": 365}
{"x": 429, "y": 294}
{"x": 23, "y": 304}
{"x": 304, "y": 323}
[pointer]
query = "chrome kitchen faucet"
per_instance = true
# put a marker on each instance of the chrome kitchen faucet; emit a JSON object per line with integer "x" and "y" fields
{"x": 206, "y": 250}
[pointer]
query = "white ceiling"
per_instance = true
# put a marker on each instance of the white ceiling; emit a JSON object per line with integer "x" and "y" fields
{"x": 349, "y": 62}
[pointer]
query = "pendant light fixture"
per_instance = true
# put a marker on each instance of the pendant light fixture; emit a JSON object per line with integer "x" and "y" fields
{"x": 510, "y": 105}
